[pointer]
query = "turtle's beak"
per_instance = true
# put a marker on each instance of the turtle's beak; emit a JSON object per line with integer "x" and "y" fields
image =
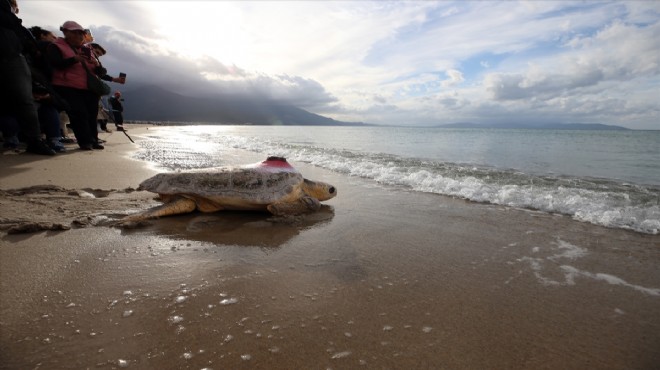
{"x": 319, "y": 190}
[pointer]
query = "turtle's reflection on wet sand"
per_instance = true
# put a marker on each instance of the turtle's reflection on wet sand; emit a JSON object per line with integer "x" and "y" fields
{"x": 249, "y": 229}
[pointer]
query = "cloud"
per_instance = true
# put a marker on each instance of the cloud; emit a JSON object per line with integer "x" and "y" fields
{"x": 293, "y": 90}
{"x": 597, "y": 68}
{"x": 392, "y": 62}
{"x": 536, "y": 84}
{"x": 596, "y": 78}
{"x": 214, "y": 69}
{"x": 455, "y": 77}
{"x": 123, "y": 15}
{"x": 147, "y": 63}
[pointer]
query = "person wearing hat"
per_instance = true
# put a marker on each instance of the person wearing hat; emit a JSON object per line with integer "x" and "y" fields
{"x": 16, "y": 80}
{"x": 117, "y": 110}
{"x": 71, "y": 60}
{"x": 99, "y": 51}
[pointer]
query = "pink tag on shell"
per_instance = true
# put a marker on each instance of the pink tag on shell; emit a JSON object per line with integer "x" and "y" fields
{"x": 276, "y": 164}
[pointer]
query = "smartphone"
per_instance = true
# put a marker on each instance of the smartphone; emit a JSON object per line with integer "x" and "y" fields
{"x": 122, "y": 75}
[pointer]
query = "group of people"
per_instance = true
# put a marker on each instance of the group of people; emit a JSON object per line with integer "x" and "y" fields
{"x": 43, "y": 77}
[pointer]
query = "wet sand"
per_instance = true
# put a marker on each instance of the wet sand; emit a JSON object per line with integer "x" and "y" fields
{"x": 379, "y": 278}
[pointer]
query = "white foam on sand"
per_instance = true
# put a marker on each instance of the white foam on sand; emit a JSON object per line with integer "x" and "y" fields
{"x": 573, "y": 272}
{"x": 568, "y": 251}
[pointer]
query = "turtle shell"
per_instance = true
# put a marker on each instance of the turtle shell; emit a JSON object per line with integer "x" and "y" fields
{"x": 235, "y": 187}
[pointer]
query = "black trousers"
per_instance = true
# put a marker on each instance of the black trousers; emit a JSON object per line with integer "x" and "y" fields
{"x": 82, "y": 111}
{"x": 119, "y": 118}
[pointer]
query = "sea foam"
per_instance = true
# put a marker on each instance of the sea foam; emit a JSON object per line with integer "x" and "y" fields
{"x": 590, "y": 200}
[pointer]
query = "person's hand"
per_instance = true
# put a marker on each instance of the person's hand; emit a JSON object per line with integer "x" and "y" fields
{"x": 79, "y": 58}
{"x": 40, "y": 96}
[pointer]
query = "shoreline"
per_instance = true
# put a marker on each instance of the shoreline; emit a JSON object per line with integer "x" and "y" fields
{"x": 380, "y": 278}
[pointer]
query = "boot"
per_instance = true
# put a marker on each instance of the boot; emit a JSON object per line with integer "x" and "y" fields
{"x": 38, "y": 146}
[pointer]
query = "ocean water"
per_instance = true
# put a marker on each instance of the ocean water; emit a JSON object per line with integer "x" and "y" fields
{"x": 608, "y": 178}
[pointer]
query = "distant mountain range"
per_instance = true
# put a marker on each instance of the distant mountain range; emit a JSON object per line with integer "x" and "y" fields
{"x": 545, "y": 126}
{"x": 151, "y": 103}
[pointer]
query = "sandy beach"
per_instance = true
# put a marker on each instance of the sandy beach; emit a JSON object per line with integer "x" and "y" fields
{"x": 378, "y": 279}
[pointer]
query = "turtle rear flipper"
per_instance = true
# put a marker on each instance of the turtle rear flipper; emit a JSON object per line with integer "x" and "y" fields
{"x": 175, "y": 207}
{"x": 302, "y": 205}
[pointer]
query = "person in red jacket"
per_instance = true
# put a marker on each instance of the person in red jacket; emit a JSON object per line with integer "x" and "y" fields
{"x": 66, "y": 56}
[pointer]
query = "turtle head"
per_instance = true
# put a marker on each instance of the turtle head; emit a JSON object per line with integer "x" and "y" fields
{"x": 319, "y": 190}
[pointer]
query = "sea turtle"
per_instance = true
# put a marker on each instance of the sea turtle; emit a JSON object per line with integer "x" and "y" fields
{"x": 272, "y": 185}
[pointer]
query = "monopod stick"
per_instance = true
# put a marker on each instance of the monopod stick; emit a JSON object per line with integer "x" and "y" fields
{"x": 129, "y": 138}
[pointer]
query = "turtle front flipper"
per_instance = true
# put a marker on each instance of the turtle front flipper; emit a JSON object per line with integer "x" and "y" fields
{"x": 299, "y": 206}
{"x": 174, "y": 207}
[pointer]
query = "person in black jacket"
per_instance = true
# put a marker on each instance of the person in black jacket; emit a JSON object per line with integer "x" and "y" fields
{"x": 48, "y": 101}
{"x": 16, "y": 80}
{"x": 117, "y": 110}
{"x": 99, "y": 51}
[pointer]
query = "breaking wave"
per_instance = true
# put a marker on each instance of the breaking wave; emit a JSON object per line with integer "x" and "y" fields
{"x": 598, "y": 201}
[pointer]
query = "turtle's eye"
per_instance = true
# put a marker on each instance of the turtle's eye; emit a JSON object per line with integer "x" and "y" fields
{"x": 331, "y": 190}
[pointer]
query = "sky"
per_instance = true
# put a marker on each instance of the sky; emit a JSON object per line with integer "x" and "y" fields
{"x": 393, "y": 63}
